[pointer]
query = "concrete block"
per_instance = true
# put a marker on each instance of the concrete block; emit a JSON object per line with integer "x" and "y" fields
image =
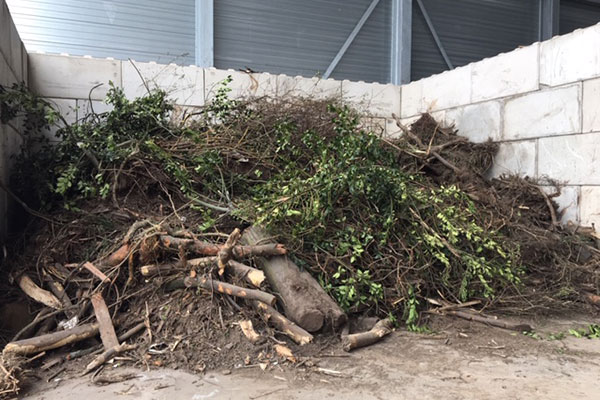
{"x": 506, "y": 74}
{"x": 68, "y": 109}
{"x": 7, "y": 77}
{"x": 25, "y": 64}
{"x": 242, "y": 84}
{"x": 372, "y": 98}
{"x": 478, "y": 122}
{"x": 60, "y": 76}
{"x": 186, "y": 115}
{"x": 412, "y": 99}
{"x": 314, "y": 88}
{"x": 84, "y": 108}
{"x": 392, "y": 131}
{"x": 5, "y": 27}
{"x": 183, "y": 85}
{"x": 567, "y": 201}
{"x": 572, "y": 159}
{"x": 16, "y": 57}
{"x": 590, "y": 206}
{"x": 446, "y": 90}
{"x": 515, "y": 158}
{"x": 570, "y": 58}
{"x": 545, "y": 113}
{"x": 591, "y": 106}
{"x": 373, "y": 124}
{"x": 13, "y": 146}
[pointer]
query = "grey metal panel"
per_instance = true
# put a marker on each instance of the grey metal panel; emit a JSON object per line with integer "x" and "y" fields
{"x": 577, "y": 14}
{"x": 302, "y": 37}
{"x": 471, "y": 30}
{"x": 148, "y": 30}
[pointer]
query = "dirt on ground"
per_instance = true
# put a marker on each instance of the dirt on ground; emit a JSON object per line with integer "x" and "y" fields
{"x": 459, "y": 360}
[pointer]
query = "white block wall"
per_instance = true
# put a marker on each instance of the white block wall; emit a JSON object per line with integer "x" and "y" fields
{"x": 540, "y": 102}
{"x": 13, "y": 68}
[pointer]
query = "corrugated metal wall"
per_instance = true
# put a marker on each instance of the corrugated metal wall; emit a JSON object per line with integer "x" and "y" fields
{"x": 288, "y": 36}
{"x": 145, "y": 30}
{"x": 470, "y": 30}
{"x": 577, "y": 14}
{"x": 302, "y": 37}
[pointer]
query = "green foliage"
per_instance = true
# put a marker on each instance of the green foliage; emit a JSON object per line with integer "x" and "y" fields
{"x": 592, "y": 332}
{"x": 352, "y": 201}
{"x": 328, "y": 187}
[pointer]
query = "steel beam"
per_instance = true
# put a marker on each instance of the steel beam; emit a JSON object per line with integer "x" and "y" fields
{"x": 350, "y": 38}
{"x": 401, "y": 42}
{"x": 438, "y": 42}
{"x": 549, "y": 13}
{"x": 205, "y": 33}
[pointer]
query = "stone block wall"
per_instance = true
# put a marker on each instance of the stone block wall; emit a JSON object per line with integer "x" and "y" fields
{"x": 13, "y": 69}
{"x": 541, "y": 103}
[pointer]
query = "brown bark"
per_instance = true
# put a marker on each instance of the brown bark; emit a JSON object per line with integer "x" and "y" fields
{"x": 232, "y": 290}
{"x": 253, "y": 276}
{"x": 37, "y": 293}
{"x": 211, "y": 249}
{"x": 226, "y": 251}
{"x": 354, "y": 341}
{"x": 592, "y": 298}
{"x": 51, "y": 340}
{"x": 202, "y": 262}
{"x": 118, "y": 256}
{"x": 107, "y": 355}
{"x": 59, "y": 291}
{"x": 249, "y": 331}
{"x": 156, "y": 269}
{"x": 242, "y": 271}
{"x": 273, "y": 317}
{"x": 107, "y": 330}
{"x": 490, "y": 321}
{"x": 96, "y": 272}
{"x": 304, "y": 300}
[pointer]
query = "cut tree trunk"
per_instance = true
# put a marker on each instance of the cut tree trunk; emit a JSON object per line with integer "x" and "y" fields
{"x": 232, "y": 290}
{"x": 273, "y": 317}
{"x": 37, "y": 293}
{"x": 490, "y": 321}
{"x": 211, "y": 249}
{"x": 107, "y": 330}
{"x": 354, "y": 341}
{"x": 242, "y": 271}
{"x": 303, "y": 299}
{"x": 51, "y": 340}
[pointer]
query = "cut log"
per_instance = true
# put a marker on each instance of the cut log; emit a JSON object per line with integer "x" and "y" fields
{"x": 211, "y": 249}
{"x": 356, "y": 340}
{"x": 99, "y": 274}
{"x": 303, "y": 299}
{"x": 37, "y": 293}
{"x": 107, "y": 355}
{"x": 59, "y": 291}
{"x": 107, "y": 330}
{"x": 592, "y": 298}
{"x": 273, "y": 317}
{"x": 51, "y": 340}
{"x": 226, "y": 251}
{"x": 249, "y": 332}
{"x": 490, "y": 321}
{"x": 242, "y": 271}
{"x": 160, "y": 269}
{"x": 232, "y": 290}
{"x": 202, "y": 262}
{"x": 118, "y": 256}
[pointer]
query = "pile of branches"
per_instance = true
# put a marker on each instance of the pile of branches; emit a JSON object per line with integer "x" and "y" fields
{"x": 382, "y": 224}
